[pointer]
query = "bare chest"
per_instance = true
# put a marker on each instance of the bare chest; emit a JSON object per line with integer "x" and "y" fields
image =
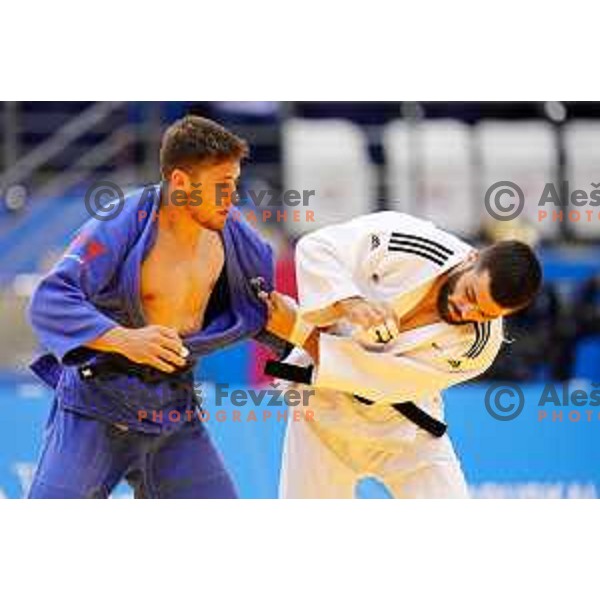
{"x": 176, "y": 286}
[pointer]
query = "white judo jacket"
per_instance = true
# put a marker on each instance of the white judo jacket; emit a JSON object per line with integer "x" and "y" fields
{"x": 393, "y": 257}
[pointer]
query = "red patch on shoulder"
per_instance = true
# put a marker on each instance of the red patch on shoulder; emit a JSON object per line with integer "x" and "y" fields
{"x": 93, "y": 249}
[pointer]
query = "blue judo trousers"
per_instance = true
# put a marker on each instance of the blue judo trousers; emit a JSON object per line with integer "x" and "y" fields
{"x": 94, "y": 436}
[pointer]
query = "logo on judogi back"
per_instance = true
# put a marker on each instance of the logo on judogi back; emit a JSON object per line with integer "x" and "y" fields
{"x": 455, "y": 364}
{"x": 375, "y": 242}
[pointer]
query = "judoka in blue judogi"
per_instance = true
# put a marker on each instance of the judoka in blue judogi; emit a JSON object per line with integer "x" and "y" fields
{"x": 94, "y": 436}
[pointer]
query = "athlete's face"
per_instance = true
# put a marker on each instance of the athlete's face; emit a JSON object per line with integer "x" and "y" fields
{"x": 466, "y": 298}
{"x": 209, "y": 191}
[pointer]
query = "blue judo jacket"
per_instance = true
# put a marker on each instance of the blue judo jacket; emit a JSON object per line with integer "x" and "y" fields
{"x": 95, "y": 287}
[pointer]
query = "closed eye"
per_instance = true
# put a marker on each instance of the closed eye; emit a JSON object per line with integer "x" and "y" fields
{"x": 473, "y": 299}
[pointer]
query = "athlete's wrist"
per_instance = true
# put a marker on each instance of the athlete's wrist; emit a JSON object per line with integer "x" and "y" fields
{"x": 345, "y": 306}
{"x": 301, "y": 331}
{"x": 114, "y": 340}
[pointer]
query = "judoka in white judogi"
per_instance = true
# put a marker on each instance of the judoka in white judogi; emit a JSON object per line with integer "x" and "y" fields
{"x": 395, "y": 258}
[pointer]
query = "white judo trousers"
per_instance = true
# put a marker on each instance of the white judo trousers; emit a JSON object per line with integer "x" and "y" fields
{"x": 394, "y": 258}
{"x": 348, "y": 441}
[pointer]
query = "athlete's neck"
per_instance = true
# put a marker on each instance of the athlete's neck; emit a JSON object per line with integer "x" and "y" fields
{"x": 178, "y": 223}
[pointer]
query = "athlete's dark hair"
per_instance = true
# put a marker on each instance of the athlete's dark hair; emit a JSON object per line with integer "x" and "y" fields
{"x": 515, "y": 273}
{"x": 193, "y": 140}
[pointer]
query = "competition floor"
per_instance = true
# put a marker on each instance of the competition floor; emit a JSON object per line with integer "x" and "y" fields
{"x": 524, "y": 457}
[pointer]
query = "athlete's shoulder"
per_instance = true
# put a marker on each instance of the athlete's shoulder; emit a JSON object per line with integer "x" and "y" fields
{"x": 391, "y": 218}
{"x": 397, "y": 235}
{"x": 400, "y": 223}
{"x": 245, "y": 235}
{"x": 115, "y": 218}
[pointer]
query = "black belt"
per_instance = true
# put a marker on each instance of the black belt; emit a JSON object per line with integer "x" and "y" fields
{"x": 409, "y": 410}
{"x": 111, "y": 365}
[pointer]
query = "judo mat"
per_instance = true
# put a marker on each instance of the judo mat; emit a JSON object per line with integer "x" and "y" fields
{"x": 524, "y": 457}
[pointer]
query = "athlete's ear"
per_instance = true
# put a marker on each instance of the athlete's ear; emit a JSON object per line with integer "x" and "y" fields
{"x": 179, "y": 178}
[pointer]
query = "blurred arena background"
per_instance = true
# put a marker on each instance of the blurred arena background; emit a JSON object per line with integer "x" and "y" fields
{"x": 433, "y": 160}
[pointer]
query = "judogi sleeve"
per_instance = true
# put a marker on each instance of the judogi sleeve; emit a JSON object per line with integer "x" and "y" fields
{"x": 348, "y": 367}
{"x": 329, "y": 261}
{"x": 61, "y": 313}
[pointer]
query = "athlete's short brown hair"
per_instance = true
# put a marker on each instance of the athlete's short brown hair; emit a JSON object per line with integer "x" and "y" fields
{"x": 515, "y": 273}
{"x": 193, "y": 140}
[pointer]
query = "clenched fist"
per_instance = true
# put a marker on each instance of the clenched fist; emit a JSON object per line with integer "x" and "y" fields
{"x": 375, "y": 322}
{"x": 282, "y": 312}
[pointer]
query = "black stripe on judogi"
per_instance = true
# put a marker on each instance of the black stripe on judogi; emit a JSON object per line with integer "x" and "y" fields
{"x": 420, "y": 246}
{"x": 477, "y": 340}
{"x": 482, "y": 336}
{"x": 404, "y": 244}
{"x": 487, "y": 328}
{"x": 422, "y": 253}
{"x": 398, "y": 237}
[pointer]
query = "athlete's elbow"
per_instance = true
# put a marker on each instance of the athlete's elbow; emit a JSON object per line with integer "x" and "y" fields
{"x": 305, "y": 247}
{"x": 39, "y": 309}
{"x": 35, "y": 304}
{"x": 316, "y": 256}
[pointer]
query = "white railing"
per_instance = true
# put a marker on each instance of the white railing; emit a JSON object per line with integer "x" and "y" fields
{"x": 54, "y": 145}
